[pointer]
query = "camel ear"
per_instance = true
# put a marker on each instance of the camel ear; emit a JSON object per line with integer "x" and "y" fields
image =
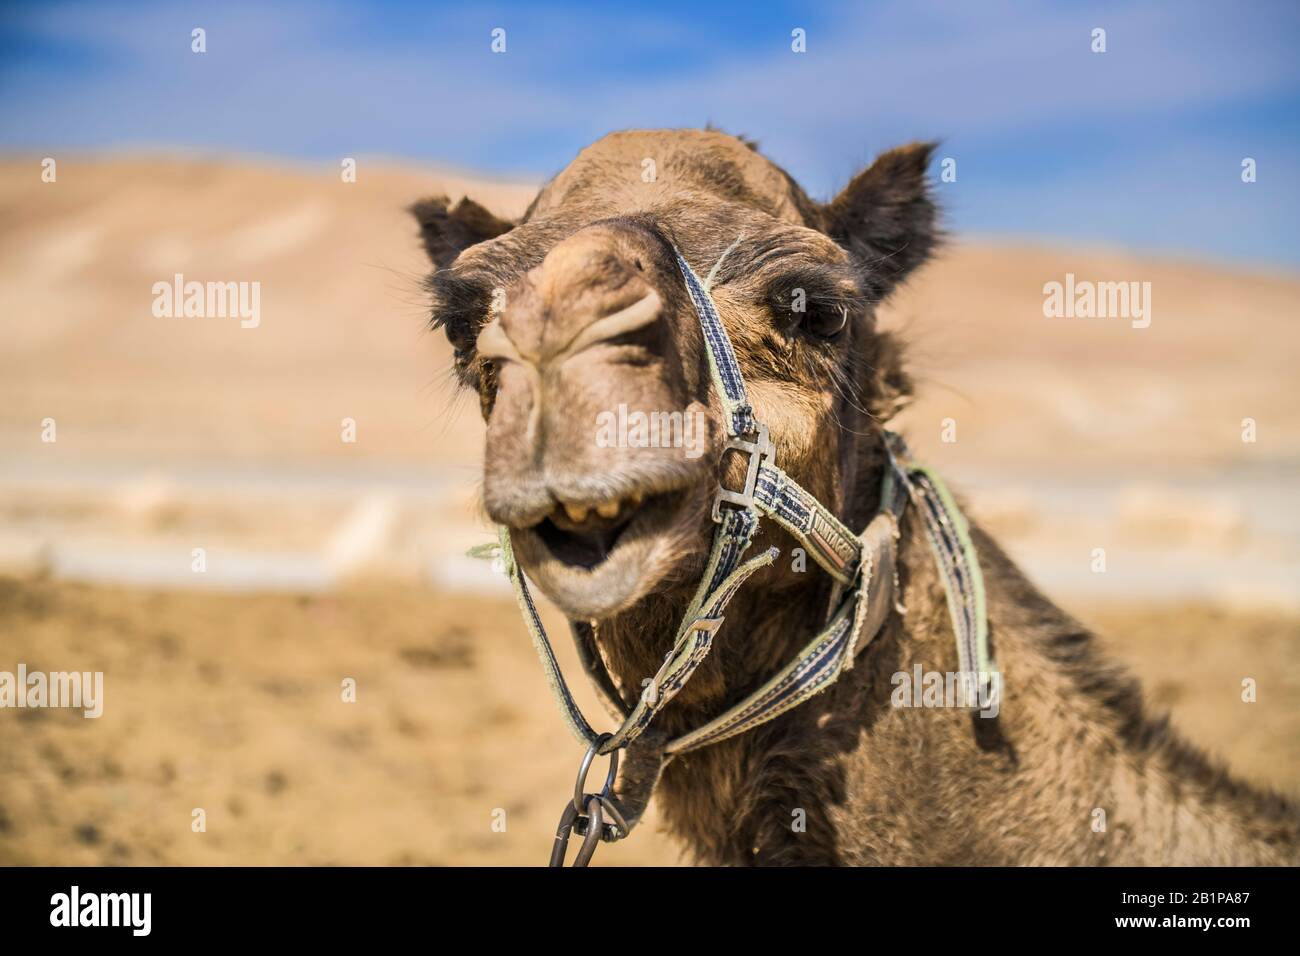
{"x": 449, "y": 231}
{"x": 885, "y": 217}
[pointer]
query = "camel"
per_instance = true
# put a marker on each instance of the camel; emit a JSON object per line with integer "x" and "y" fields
{"x": 1073, "y": 770}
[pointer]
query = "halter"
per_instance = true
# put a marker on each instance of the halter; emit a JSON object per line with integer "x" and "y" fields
{"x": 866, "y": 588}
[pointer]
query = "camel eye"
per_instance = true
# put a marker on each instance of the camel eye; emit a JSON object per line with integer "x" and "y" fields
{"x": 827, "y": 320}
{"x": 460, "y": 306}
{"x": 809, "y": 309}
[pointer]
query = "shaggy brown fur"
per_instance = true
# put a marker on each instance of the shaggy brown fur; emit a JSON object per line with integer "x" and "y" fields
{"x": 877, "y": 784}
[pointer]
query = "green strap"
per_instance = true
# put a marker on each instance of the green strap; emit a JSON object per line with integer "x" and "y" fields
{"x": 959, "y": 566}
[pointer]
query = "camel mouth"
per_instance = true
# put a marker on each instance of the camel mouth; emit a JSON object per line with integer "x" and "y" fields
{"x": 585, "y": 539}
{"x": 575, "y": 549}
{"x": 593, "y": 564}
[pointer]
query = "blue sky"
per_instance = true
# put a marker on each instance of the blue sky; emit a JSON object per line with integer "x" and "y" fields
{"x": 1140, "y": 146}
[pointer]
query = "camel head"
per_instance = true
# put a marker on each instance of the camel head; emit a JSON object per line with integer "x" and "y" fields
{"x": 604, "y": 437}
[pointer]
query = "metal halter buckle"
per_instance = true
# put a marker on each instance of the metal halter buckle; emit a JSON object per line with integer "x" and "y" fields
{"x": 759, "y": 451}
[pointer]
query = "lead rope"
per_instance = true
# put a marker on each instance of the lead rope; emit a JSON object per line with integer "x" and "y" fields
{"x": 863, "y": 567}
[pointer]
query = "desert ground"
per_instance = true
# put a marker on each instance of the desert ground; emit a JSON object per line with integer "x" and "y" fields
{"x": 325, "y": 559}
{"x": 231, "y": 704}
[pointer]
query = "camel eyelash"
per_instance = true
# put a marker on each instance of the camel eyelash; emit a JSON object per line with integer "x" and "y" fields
{"x": 461, "y": 306}
{"x": 808, "y": 304}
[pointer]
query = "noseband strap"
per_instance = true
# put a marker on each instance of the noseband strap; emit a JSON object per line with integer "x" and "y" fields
{"x": 863, "y": 568}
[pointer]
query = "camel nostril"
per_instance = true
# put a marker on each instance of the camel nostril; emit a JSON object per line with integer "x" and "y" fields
{"x": 623, "y": 319}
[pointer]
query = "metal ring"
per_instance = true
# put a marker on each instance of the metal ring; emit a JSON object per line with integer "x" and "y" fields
{"x": 579, "y": 788}
{"x": 595, "y": 829}
{"x": 562, "y": 834}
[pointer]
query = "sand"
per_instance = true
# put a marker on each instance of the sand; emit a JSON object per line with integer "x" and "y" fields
{"x": 233, "y": 704}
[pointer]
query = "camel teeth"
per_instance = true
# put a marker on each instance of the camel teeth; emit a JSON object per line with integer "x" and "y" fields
{"x": 577, "y": 513}
{"x": 607, "y": 509}
{"x": 636, "y": 499}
